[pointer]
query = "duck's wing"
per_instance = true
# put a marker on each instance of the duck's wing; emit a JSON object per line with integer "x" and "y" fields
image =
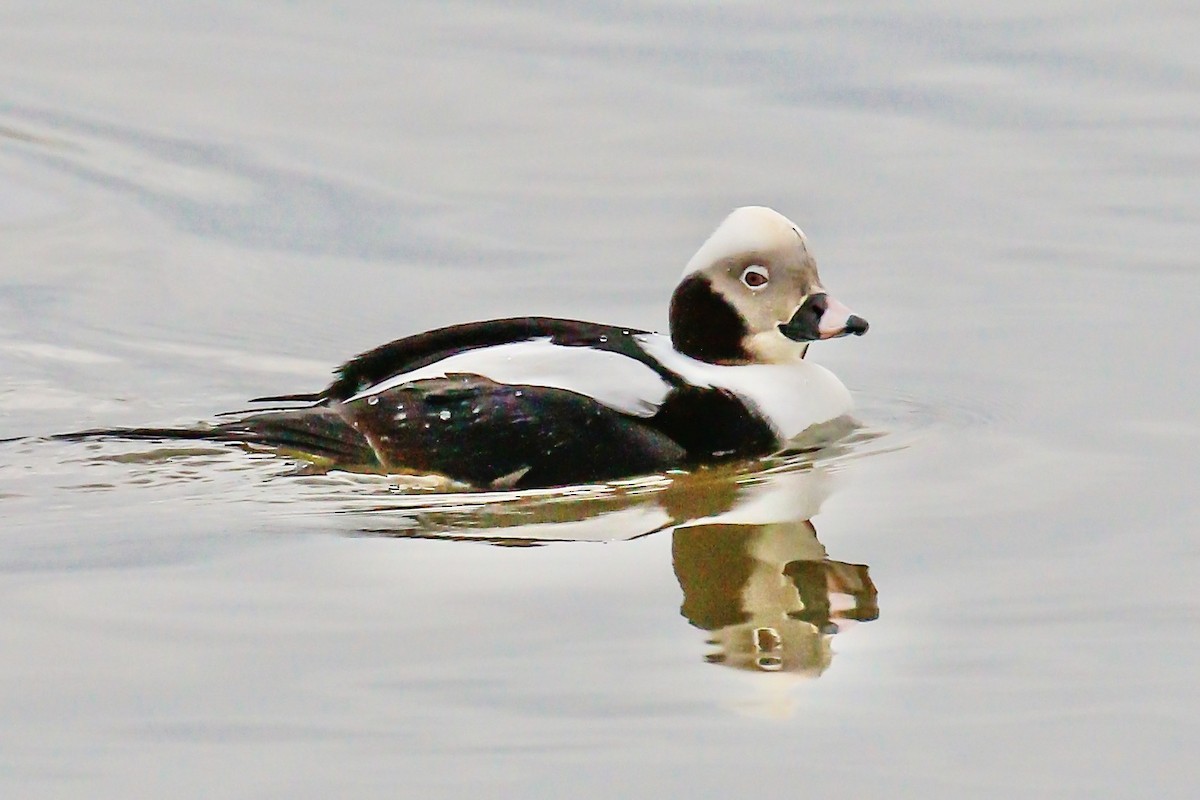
{"x": 385, "y": 364}
{"x": 424, "y": 349}
{"x": 501, "y": 435}
{"x": 507, "y": 403}
{"x": 470, "y": 428}
{"x": 412, "y": 353}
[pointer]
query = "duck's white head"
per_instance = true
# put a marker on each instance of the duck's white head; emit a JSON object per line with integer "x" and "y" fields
{"x": 751, "y": 294}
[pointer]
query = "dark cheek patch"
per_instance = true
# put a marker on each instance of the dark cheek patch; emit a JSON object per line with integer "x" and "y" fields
{"x": 704, "y": 325}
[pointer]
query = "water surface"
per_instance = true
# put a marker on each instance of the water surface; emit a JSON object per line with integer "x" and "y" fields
{"x": 201, "y": 205}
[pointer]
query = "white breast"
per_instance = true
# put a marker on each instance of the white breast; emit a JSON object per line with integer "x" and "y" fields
{"x": 610, "y": 378}
{"x": 791, "y": 397}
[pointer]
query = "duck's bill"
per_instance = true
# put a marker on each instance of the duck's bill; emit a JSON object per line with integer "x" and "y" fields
{"x": 838, "y": 320}
{"x": 823, "y": 317}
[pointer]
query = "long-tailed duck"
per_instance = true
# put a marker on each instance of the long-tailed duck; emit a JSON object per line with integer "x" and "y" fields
{"x": 535, "y": 402}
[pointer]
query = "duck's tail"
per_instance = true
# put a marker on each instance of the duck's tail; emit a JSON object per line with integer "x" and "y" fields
{"x": 316, "y": 433}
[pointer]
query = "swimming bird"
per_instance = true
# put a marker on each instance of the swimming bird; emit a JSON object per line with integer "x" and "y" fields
{"x": 536, "y": 401}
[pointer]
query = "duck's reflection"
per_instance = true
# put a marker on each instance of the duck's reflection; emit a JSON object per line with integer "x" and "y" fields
{"x": 744, "y": 550}
{"x": 768, "y": 594}
{"x": 754, "y": 574}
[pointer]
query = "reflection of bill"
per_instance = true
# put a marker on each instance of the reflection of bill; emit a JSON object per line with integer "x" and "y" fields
{"x": 745, "y": 554}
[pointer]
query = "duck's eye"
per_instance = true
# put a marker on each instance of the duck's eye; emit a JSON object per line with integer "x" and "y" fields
{"x": 755, "y": 277}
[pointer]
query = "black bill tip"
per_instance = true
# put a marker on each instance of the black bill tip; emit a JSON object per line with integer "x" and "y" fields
{"x": 856, "y": 325}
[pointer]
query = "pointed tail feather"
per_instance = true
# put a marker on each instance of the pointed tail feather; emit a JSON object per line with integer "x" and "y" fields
{"x": 316, "y": 432}
{"x": 289, "y": 398}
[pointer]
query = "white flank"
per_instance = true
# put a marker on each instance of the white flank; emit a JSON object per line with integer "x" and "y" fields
{"x": 791, "y": 397}
{"x": 610, "y": 378}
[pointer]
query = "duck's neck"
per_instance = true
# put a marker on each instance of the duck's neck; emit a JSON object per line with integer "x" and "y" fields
{"x": 772, "y": 347}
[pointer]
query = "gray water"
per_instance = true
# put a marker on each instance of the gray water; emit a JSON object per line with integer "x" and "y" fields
{"x": 202, "y": 203}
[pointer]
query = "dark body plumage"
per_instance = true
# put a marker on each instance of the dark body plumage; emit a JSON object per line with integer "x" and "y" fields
{"x": 491, "y": 434}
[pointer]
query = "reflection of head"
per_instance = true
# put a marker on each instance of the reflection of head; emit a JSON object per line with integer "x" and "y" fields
{"x": 788, "y": 646}
{"x": 768, "y": 594}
